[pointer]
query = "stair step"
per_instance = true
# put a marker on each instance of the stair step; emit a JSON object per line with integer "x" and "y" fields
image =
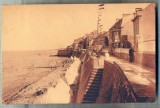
{"x": 89, "y": 99}
{"x": 94, "y": 79}
{"x": 92, "y": 88}
{"x": 94, "y": 82}
{"x": 96, "y": 74}
{"x": 93, "y": 85}
{"x": 95, "y": 69}
{"x": 91, "y": 91}
{"x": 90, "y": 95}
{"x": 93, "y": 100}
{"x": 97, "y": 77}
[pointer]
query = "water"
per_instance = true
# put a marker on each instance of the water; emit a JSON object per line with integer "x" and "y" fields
{"x": 19, "y": 68}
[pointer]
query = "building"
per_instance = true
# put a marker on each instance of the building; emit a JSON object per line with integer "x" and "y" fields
{"x": 145, "y": 35}
{"x": 135, "y": 30}
{"x": 127, "y": 34}
{"x": 144, "y": 29}
{"x": 100, "y": 39}
{"x": 115, "y": 34}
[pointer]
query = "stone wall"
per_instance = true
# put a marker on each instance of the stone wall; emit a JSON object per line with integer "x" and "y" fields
{"x": 146, "y": 59}
{"x": 143, "y": 58}
{"x": 115, "y": 88}
{"x": 122, "y": 55}
{"x": 84, "y": 75}
{"x": 64, "y": 52}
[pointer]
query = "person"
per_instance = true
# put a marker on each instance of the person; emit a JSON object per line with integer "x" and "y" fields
{"x": 94, "y": 52}
{"x": 107, "y": 54}
{"x": 131, "y": 54}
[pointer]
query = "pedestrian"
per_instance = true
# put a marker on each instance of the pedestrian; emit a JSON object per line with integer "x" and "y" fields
{"x": 131, "y": 54}
{"x": 94, "y": 51}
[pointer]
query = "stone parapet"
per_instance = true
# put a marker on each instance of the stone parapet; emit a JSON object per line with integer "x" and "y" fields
{"x": 115, "y": 87}
{"x": 125, "y": 82}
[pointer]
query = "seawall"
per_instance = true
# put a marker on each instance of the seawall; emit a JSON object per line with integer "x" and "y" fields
{"x": 84, "y": 75}
{"x": 115, "y": 87}
{"x": 113, "y": 81}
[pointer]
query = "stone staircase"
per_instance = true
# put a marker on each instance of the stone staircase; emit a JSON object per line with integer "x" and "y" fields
{"x": 92, "y": 89}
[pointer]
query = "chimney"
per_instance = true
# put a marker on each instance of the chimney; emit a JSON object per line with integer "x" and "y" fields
{"x": 138, "y": 10}
{"x": 124, "y": 15}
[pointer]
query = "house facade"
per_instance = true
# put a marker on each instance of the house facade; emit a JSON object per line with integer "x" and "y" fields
{"x": 145, "y": 35}
{"x": 115, "y": 34}
{"x": 135, "y": 30}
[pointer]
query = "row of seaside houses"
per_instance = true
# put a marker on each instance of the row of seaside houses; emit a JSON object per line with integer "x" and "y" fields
{"x": 136, "y": 30}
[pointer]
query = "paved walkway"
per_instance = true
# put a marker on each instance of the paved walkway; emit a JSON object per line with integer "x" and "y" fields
{"x": 141, "y": 78}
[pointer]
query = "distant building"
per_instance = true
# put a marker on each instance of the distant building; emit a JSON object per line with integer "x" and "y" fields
{"x": 78, "y": 43}
{"x": 115, "y": 34}
{"x": 100, "y": 39}
{"x": 94, "y": 33}
{"x": 127, "y": 31}
{"x": 85, "y": 42}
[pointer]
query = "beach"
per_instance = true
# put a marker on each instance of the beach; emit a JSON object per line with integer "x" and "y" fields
{"x": 31, "y": 76}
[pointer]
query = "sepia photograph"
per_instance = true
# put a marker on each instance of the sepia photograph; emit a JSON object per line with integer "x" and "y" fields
{"x": 78, "y": 53}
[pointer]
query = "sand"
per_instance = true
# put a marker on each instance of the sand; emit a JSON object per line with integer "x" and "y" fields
{"x": 53, "y": 87}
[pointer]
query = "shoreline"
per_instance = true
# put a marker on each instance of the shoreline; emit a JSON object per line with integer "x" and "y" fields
{"x": 27, "y": 94}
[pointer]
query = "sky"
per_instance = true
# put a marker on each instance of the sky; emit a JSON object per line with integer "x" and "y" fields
{"x": 39, "y": 27}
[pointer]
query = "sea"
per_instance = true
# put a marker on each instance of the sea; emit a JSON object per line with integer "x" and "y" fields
{"x": 21, "y": 68}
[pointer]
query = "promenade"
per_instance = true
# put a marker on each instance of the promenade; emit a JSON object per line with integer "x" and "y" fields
{"x": 141, "y": 78}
